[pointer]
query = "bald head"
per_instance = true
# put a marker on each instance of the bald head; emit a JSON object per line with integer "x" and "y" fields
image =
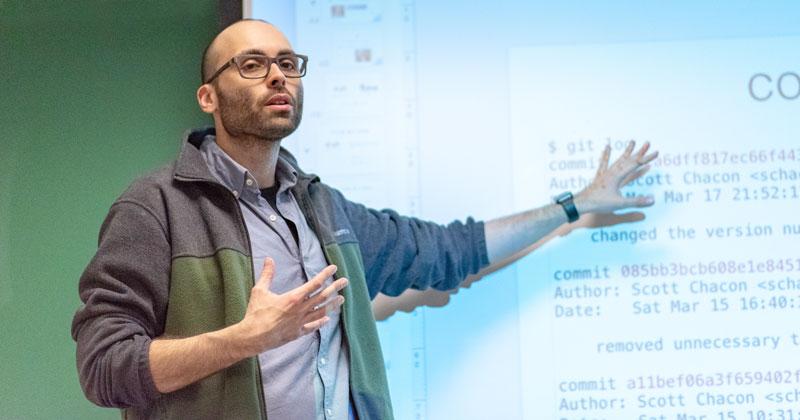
{"x": 235, "y": 38}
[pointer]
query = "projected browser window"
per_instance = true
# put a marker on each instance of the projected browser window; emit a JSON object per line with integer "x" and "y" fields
{"x": 442, "y": 110}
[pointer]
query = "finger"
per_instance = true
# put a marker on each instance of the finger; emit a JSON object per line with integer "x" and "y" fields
{"x": 329, "y": 291}
{"x": 628, "y": 167}
{"x": 314, "y": 325}
{"x": 640, "y": 201}
{"x": 611, "y": 219}
{"x": 643, "y": 149}
{"x": 324, "y": 309}
{"x": 603, "y": 165}
{"x": 624, "y": 163}
{"x": 265, "y": 279}
{"x": 629, "y": 149}
{"x": 649, "y": 158}
{"x": 307, "y": 290}
{"x": 633, "y": 176}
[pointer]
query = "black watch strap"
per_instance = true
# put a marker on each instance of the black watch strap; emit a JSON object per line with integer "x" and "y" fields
{"x": 565, "y": 199}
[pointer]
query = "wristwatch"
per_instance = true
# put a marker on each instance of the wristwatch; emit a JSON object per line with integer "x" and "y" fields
{"x": 565, "y": 200}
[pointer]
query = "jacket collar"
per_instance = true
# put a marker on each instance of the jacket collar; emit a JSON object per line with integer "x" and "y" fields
{"x": 190, "y": 165}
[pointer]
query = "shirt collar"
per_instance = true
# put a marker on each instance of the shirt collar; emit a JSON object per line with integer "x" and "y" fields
{"x": 235, "y": 176}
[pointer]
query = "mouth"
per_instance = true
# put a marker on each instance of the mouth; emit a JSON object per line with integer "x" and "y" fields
{"x": 280, "y": 102}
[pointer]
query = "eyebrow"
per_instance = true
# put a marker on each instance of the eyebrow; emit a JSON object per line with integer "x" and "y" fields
{"x": 257, "y": 51}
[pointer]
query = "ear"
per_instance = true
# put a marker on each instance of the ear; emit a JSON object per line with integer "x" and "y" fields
{"x": 207, "y": 98}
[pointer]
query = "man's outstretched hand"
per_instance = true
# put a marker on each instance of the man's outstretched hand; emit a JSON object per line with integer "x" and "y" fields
{"x": 272, "y": 320}
{"x": 603, "y": 195}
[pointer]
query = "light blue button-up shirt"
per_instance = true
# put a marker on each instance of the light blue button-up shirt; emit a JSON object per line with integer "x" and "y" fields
{"x": 307, "y": 378}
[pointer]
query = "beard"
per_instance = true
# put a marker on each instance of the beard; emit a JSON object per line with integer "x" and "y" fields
{"x": 243, "y": 115}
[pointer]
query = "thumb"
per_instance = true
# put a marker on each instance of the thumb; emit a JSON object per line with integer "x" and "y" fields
{"x": 641, "y": 201}
{"x": 265, "y": 280}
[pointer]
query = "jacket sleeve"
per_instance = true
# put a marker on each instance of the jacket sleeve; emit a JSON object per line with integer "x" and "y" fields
{"x": 403, "y": 252}
{"x": 124, "y": 292}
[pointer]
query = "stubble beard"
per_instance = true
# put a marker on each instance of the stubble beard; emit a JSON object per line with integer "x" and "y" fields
{"x": 242, "y": 116}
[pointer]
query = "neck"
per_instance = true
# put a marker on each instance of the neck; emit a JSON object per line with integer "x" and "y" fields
{"x": 258, "y": 155}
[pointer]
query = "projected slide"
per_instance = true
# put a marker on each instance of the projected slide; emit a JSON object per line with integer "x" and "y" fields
{"x": 688, "y": 313}
{"x": 446, "y": 109}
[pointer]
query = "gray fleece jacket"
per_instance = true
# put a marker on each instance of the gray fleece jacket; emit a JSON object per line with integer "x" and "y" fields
{"x": 174, "y": 260}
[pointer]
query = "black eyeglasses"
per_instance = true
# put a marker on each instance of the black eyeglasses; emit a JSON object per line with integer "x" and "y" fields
{"x": 256, "y": 66}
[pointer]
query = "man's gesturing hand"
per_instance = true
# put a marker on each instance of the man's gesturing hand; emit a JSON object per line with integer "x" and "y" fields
{"x": 603, "y": 194}
{"x": 272, "y": 320}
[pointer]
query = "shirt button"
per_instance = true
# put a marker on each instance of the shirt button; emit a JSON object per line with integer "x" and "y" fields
{"x": 249, "y": 182}
{"x": 236, "y": 194}
{"x": 328, "y": 412}
{"x": 273, "y": 217}
{"x": 323, "y": 361}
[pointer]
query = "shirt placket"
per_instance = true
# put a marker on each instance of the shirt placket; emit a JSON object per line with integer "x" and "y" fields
{"x": 289, "y": 209}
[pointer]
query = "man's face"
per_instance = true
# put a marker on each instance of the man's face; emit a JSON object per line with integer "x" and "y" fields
{"x": 269, "y": 108}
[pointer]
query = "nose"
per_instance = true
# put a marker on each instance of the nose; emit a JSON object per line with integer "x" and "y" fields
{"x": 275, "y": 78}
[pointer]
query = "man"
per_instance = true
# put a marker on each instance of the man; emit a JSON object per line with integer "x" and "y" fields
{"x": 175, "y": 321}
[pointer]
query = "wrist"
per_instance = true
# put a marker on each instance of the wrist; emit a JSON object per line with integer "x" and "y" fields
{"x": 233, "y": 342}
{"x": 582, "y": 203}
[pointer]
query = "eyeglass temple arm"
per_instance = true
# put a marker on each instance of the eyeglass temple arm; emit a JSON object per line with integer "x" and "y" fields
{"x": 219, "y": 71}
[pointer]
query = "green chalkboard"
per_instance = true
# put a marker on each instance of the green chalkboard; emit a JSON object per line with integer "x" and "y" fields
{"x": 92, "y": 94}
